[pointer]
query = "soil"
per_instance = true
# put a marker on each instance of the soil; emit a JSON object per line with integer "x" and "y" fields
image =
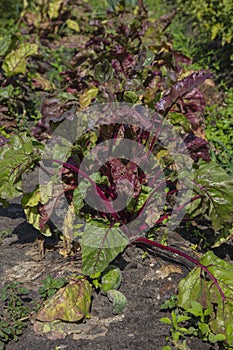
{"x": 146, "y": 283}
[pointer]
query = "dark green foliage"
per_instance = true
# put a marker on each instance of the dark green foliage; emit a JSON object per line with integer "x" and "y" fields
{"x": 14, "y": 313}
{"x": 50, "y": 286}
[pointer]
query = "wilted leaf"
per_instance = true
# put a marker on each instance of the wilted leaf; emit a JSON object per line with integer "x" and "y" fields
{"x": 40, "y": 82}
{"x": 100, "y": 245}
{"x": 118, "y": 299}
{"x": 195, "y": 288}
{"x": 71, "y": 303}
{"x": 68, "y": 230}
{"x": 15, "y": 62}
{"x": 111, "y": 278}
{"x": 31, "y": 203}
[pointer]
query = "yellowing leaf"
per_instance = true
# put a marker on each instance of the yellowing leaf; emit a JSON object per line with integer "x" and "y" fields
{"x": 87, "y": 96}
{"x": 71, "y": 303}
{"x": 15, "y": 61}
{"x": 73, "y": 25}
{"x": 54, "y": 7}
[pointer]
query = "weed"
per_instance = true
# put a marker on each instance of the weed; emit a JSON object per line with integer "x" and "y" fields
{"x": 14, "y": 314}
{"x": 50, "y": 286}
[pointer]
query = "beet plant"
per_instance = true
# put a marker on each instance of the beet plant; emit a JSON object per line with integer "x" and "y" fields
{"x": 120, "y": 146}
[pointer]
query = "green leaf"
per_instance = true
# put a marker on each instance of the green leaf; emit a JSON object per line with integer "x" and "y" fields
{"x": 182, "y": 318}
{"x": 100, "y": 245}
{"x": 193, "y": 288}
{"x": 4, "y": 44}
{"x": 111, "y": 278}
{"x": 179, "y": 119}
{"x": 130, "y": 96}
{"x": 15, "y": 62}
{"x": 16, "y": 157}
{"x": 215, "y": 338}
{"x": 118, "y": 299}
{"x": 215, "y": 186}
{"x": 103, "y": 71}
{"x": 6, "y": 92}
{"x": 70, "y": 303}
{"x": 204, "y": 328}
{"x": 166, "y": 320}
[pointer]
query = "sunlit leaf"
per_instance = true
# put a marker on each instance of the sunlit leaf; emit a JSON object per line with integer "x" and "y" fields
{"x": 16, "y": 157}
{"x": 215, "y": 187}
{"x": 100, "y": 245}
{"x": 87, "y": 96}
{"x": 111, "y": 278}
{"x": 194, "y": 288}
{"x": 73, "y": 25}
{"x": 70, "y": 303}
{"x": 54, "y": 7}
{"x": 15, "y": 62}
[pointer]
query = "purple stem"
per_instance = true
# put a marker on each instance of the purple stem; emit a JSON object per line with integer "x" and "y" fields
{"x": 100, "y": 192}
{"x": 184, "y": 255}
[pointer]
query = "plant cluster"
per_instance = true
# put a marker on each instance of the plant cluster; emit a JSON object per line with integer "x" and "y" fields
{"x": 14, "y": 313}
{"x": 207, "y": 28}
{"x": 63, "y": 59}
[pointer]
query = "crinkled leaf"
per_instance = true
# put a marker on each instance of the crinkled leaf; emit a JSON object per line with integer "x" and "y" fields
{"x": 215, "y": 186}
{"x": 195, "y": 288}
{"x": 54, "y": 7}
{"x": 31, "y": 203}
{"x": 118, "y": 299}
{"x": 71, "y": 303}
{"x": 100, "y": 245}
{"x": 16, "y": 157}
{"x": 111, "y": 278}
{"x": 197, "y": 147}
{"x": 181, "y": 88}
{"x": 15, "y": 62}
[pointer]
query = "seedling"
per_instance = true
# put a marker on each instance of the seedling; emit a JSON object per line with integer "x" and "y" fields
{"x": 50, "y": 286}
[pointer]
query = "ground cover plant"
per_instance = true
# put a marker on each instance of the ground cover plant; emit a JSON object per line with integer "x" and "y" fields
{"x": 62, "y": 60}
